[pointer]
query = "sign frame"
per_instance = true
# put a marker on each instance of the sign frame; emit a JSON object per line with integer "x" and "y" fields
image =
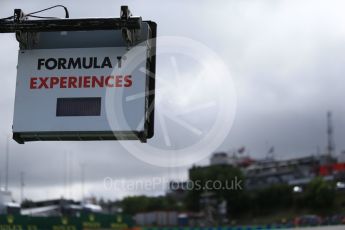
{"x": 129, "y": 27}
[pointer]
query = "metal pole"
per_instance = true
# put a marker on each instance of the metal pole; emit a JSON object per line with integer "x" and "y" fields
{"x": 22, "y": 184}
{"x": 82, "y": 181}
{"x": 7, "y": 163}
{"x": 70, "y": 175}
{"x": 330, "y": 138}
{"x": 65, "y": 174}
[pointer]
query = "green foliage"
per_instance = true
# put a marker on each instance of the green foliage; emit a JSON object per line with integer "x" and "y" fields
{"x": 27, "y": 203}
{"x": 136, "y": 204}
{"x": 320, "y": 194}
{"x": 271, "y": 199}
{"x": 224, "y": 181}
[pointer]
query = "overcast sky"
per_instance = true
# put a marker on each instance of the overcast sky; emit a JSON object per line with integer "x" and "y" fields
{"x": 286, "y": 60}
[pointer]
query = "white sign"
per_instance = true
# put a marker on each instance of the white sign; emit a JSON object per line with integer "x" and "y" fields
{"x": 60, "y": 93}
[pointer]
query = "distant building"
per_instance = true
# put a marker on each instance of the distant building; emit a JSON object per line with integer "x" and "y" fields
{"x": 157, "y": 218}
{"x": 59, "y": 207}
{"x": 341, "y": 157}
{"x": 7, "y": 206}
{"x": 296, "y": 171}
{"x": 220, "y": 159}
{"x": 223, "y": 158}
{"x": 178, "y": 189}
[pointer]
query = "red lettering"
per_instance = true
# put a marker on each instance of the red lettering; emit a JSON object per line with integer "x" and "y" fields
{"x": 72, "y": 82}
{"x": 128, "y": 81}
{"x": 33, "y": 83}
{"x": 107, "y": 81}
{"x": 80, "y": 81}
{"x": 54, "y": 81}
{"x": 63, "y": 82}
{"x": 87, "y": 81}
{"x": 43, "y": 83}
{"x": 98, "y": 82}
{"x": 118, "y": 81}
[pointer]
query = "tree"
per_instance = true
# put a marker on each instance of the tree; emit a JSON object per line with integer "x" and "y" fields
{"x": 136, "y": 204}
{"x": 320, "y": 194}
{"x": 225, "y": 182}
{"x": 273, "y": 198}
{"x": 133, "y": 205}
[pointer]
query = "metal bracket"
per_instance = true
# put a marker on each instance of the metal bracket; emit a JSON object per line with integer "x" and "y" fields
{"x": 18, "y": 15}
{"x": 21, "y": 26}
{"x": 20, "y": 23}
{"x": 128, "y": 34}
{"x": 22, "y": 37}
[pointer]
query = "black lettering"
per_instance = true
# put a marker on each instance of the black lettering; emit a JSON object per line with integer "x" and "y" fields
{"x": 85, "y": 66}
{"x": 51, "y": 63}
{"x": 106, "y": 63}
{"x": 62, "y": 63}
{"x": 40, "y": 63}
{"x": 95, "y": 64}
{"x": 75, "y": 63}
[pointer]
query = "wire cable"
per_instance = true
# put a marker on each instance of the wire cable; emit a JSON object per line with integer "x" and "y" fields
{"x": 7, "y": 18}
{"x": 39, "y": 11}
{"x": 34, "y": 16}
{"x": 49, "y": 8}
